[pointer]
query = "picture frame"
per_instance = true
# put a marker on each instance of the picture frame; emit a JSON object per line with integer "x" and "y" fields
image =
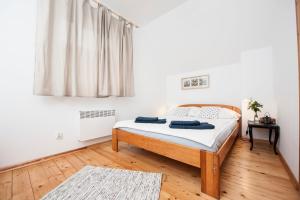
{"x": 196, "y": 82}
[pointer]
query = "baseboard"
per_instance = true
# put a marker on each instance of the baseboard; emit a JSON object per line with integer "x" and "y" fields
{"x": 45, "y": 158}
{"x": 289, "y": 171}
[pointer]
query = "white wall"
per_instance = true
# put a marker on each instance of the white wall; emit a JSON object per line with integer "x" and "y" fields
{"x": 208, "y": 33}
{"x": 223, "y": 88}
{"x": 258, "y": 34}
{"x": 286, "y": 82}
{"x": 29, "y": 124}
{"x": 258, "y": 83}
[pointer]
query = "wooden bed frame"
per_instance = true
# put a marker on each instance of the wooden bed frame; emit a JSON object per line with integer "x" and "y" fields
{"x": 209, "y": 162}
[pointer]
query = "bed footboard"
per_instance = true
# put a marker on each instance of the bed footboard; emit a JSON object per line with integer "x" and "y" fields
{"x": 177, "y": 152}
{"x": 209, "y": 162}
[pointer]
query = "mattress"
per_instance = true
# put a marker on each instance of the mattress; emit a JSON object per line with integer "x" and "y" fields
{"x": 210, "y": 140}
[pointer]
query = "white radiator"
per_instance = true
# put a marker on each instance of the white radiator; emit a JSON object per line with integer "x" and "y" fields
{"x": 96, "y": 124}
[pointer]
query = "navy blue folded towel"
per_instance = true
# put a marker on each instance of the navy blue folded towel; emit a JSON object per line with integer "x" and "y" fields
{"x": 201, "y": 126}
{"x": 186, "y": 123}
{"x": 146, "y": 119}
{"x": 150, "y": 120}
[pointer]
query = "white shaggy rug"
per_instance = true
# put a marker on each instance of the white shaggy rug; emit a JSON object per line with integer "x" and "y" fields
{"x": 97, "y": 183}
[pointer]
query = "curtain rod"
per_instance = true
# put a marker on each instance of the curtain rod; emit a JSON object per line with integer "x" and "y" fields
{"x": 118, "y": 15}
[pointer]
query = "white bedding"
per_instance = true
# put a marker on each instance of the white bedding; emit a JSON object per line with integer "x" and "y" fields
{"x": 205, "y": 137}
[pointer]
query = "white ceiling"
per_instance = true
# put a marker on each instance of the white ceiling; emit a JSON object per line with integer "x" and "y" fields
{"x": 141, "y": 12}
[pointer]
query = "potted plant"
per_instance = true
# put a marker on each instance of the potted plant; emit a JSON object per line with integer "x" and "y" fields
{"x": 255, "y": 107}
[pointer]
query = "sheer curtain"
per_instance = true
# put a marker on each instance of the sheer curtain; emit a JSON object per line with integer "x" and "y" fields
{"x": 82, "y": 51}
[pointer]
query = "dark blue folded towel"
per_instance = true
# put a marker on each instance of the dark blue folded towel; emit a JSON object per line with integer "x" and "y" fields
{"x": 150, "y": 120}
{"x": 186, "y": 123}
{"x": 201, "y": 126}
{"x": 146, "y": 119}
{"x": 160, "y": 121}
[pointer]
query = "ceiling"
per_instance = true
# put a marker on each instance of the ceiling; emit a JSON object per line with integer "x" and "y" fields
{"x": 141, "y": 12}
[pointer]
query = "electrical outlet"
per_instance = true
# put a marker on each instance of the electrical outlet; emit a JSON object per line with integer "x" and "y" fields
{"x": 60, "y": 136}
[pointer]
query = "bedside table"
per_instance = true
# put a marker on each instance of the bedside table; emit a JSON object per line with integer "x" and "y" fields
{"x": 252, "y": 125}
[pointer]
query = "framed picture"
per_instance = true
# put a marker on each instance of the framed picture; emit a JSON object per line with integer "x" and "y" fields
{"x": 197, "y": 82}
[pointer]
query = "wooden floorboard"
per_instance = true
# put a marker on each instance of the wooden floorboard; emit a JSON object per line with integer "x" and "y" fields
{"x": 6, "y": 185}
{"x": 65, "y": 167}
{"x": 22, "y": 188}
{"x": 250, "y": 175}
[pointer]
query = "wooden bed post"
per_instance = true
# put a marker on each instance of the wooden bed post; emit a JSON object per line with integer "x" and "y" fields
{"x": 210, "y": 174}
{"x": 115, "y": 146}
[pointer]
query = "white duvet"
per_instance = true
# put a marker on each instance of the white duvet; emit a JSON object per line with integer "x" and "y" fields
{"x": 206, "y": 137}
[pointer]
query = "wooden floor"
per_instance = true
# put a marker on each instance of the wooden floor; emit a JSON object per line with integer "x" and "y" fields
{"x": 256, "y": 175}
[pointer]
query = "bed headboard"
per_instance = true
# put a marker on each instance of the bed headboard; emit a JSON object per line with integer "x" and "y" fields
{"x": 236, "y": 109}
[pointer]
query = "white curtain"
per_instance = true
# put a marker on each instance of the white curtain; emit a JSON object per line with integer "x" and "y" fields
{"x": 82, "y": 51}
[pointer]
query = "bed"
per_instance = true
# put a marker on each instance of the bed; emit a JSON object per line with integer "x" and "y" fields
{"x": 207, "y": 151}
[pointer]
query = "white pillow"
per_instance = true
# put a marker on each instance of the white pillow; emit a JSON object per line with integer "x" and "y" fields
{"x": 194, "y": 112}
{"x": 228, "y": 114}
{"x": 179, "y": 112}
{"x": 209, "y": 112}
